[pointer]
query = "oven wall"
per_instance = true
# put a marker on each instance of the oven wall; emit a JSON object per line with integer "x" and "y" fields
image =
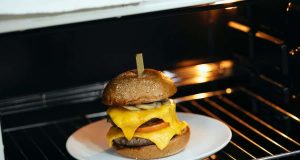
{"x": 58, "y": 57}
{"x": 52, "y": 58}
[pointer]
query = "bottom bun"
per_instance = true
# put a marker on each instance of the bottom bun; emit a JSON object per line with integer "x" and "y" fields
{"x": 176, "y": 145}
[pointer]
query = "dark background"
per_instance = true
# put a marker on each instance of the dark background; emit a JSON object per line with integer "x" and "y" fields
{"x": 46, "y": 59}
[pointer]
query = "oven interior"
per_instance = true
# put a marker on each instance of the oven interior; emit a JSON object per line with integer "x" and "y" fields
{"x": 236, "y": 63}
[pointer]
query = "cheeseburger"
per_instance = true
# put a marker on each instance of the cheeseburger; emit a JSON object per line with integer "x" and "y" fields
{"x": 143, "y": 118}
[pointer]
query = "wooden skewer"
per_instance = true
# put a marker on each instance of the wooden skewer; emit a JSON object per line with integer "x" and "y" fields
{"x": 139, "y": 64}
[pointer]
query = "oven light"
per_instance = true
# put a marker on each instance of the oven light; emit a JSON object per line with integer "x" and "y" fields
{"x": 238, "y": 26}
{"x": 289, "y": 6}
{"x": 226, "y": 64}
{"x": 169, "y": 74}
{"x": 268, "y": 37}
{"x": 203, "y": 68}
{"x": 228, "y": 90}
{"x": 230, "y": 8}
{"x": 226, "y": 1}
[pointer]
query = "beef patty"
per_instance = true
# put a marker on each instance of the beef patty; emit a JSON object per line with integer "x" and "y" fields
{"x": 135, "y": 141}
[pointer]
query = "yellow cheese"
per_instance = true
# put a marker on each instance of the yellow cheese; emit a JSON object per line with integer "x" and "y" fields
{"x": 160, "y": 138}
{"x": 129, "y": 120}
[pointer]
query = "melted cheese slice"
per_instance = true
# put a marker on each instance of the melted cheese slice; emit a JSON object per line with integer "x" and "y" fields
{"x": 129, "y": 120}
{"x": 160, "y": 138}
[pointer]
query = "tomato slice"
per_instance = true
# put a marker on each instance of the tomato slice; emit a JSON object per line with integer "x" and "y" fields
{"x": 154, "y": 127}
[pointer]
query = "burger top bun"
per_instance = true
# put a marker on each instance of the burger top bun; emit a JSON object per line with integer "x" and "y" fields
{"x": 129, "y": 89}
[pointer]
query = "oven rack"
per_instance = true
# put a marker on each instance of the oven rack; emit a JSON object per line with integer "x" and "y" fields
{"x": 261, "y": 129}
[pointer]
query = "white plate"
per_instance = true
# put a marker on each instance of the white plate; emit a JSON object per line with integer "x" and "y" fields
{"x": 207, "y": 137}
